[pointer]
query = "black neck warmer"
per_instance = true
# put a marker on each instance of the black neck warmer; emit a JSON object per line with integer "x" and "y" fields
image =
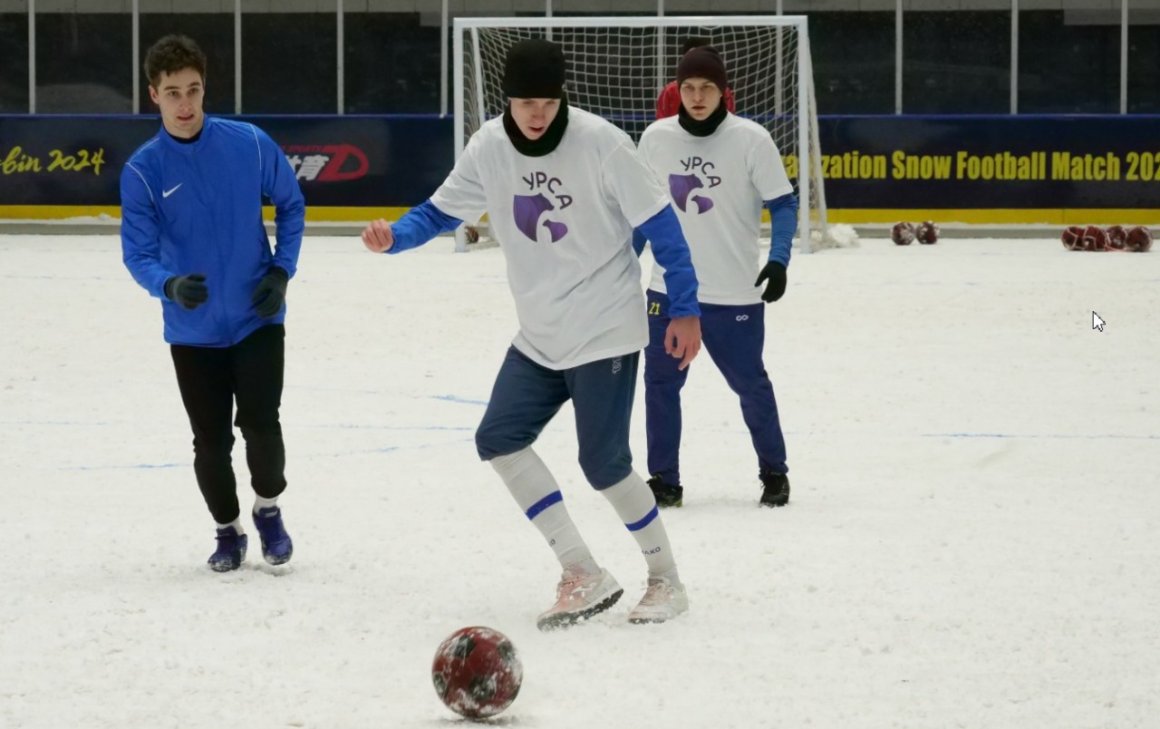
{"x": 547, "y": 142}
{"x": 706, "y": 126}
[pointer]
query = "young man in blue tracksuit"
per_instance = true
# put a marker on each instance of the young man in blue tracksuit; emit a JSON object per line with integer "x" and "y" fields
{"x": 192, "y": 235}
{"x": 720, "y": 171}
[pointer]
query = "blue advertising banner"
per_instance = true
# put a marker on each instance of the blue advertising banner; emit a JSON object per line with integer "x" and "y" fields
{"x": 991, "y": 162}
{"x": 348, "y": 161}
{"x": 971, "y": 168}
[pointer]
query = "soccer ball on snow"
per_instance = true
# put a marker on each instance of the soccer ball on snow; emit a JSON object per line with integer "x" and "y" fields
{"x": 927, "y": 233}
{"x": 1117, "y": 237}
{"x": 902, "y": 234}
{"x": 1072, "y": 238}
{"x": 477, "y": 673}
{"x": 1139, "y": 239}
{"x": 1095, "y": 238}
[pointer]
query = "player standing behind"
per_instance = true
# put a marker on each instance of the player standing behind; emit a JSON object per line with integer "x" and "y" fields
{"x": 669, "y": 100}
{"x": 192, "y": 235}
{"x": 720, "y": 170}
{"x": 564, "y": 189}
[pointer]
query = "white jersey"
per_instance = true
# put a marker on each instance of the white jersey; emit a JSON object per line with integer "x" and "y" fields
{"x": 564, "y": 221}
{"x": 718, "y": 184}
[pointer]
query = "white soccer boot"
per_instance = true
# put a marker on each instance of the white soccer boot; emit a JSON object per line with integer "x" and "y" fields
{"x": 664, "y": 599}
{"x": 579, "y": 596}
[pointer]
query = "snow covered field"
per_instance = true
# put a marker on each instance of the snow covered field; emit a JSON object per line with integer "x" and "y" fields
{"x": 973, "y": 538}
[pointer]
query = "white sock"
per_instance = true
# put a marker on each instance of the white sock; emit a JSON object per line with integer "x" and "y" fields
{"x": 535, "y": 490}
{"x": 236, "y": 524}
{"x": 637, "y": 508}
{"x": 261, "y": 502}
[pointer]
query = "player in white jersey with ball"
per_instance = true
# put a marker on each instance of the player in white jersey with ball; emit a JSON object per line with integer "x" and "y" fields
{"x": 720, "y": 171}
{"x": 564, "y": 191}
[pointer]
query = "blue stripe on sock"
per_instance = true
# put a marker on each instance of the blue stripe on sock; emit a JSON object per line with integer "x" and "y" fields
{"x": 638, "y": 525}
{"x": 553, "y": 498}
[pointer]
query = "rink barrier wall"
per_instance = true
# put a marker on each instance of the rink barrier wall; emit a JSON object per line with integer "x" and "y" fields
{"x": 994, "y": 170}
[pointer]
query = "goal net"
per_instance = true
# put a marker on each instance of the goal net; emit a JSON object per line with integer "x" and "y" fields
{"x": 617, "y": 67}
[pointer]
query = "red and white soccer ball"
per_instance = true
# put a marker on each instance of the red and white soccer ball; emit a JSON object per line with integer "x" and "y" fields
{"x": 1138, "y": 240}
{"x": 1095, "y": 238}
{"x": 1117, "y": 237}
{"x": 1073, "y": 238}
{"x": 902, "y": 234}
{"x": 477, "y": 672}
{"x": 927, "y": 233}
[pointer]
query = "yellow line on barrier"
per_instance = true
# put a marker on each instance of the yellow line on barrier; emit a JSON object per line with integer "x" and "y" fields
{"x": 851, "y": 216}
{"x": 112, "y": 214}
{"x": 1010, "y": 216}
{"x": 58, "y": 212}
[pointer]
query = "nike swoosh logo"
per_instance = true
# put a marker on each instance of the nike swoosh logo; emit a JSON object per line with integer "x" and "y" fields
{"x": 167, "y": 193}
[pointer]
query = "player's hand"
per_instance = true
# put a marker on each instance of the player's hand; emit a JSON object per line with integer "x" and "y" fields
{"x": 270, "y": 293}
{"x": 377, "y": 236}
{"x": 774, "y": 277}
{"x": 189, "y": 291}
{"x": 683, "y": 339}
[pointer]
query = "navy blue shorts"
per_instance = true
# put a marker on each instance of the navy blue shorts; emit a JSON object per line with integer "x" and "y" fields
{"x": 526, "y": 396}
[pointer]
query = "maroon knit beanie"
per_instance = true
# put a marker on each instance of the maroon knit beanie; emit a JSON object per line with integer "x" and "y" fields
{"x": 703, "y": 62}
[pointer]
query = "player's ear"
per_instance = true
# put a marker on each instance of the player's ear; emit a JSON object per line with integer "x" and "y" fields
{"x": 153, "y": 95}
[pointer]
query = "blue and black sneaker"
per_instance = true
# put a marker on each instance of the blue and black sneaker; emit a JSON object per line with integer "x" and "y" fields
{"x": 230, "y": 552}
{"x": 276, "y": 544}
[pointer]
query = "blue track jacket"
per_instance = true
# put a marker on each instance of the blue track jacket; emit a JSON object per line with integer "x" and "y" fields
{"x": 197, "y": 208}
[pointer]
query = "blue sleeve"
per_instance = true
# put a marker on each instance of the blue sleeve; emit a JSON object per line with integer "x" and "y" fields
{"x": 419, "y": 225}
{"x": 672, "y": 251}
{"x": 280, "y": 184}
{"x": 783, "y": 223}
{"x": 141, "y": 233}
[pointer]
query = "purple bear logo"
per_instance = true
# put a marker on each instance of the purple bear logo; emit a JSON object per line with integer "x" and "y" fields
{"x": 681, "y": 187}
{"x": 527, "y": 211}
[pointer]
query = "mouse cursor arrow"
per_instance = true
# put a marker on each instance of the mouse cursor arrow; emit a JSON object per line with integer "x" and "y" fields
{"x": 1097, "y": 323}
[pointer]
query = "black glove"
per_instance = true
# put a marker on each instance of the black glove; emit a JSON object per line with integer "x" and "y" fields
{"x": 190, "y": 291}
{"x": 271, "y": 293}
{"x": 774, "y": 276}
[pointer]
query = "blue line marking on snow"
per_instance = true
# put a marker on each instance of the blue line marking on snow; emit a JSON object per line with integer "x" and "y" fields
{"x": 405, "y": 428}
{"x": 139, "y": 466}
{"x": 458, "y": 399}
{"x": 1041, "y": 436}
{"x": 75, "y": 423}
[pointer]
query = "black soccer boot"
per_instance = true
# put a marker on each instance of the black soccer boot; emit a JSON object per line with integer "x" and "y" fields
{"x": 666, "y": 494}
{"x": 776, "y": 489}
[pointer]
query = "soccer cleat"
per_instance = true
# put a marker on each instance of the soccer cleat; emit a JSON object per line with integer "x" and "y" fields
{"x": 579, "y": 596}
{"x": 663, "y": 600}
{"x": 276, "y": 544}
{"x": 230, "y": 552}
{"x": 666, "y": 494}
{"x": 776, "y": 489}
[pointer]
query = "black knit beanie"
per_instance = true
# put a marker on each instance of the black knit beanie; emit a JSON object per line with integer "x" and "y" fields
{"x": 534, "y": 69}
{"x": 703, "y": 62}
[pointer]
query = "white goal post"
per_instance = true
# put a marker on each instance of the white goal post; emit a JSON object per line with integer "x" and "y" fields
{"x": 617, "y": 67}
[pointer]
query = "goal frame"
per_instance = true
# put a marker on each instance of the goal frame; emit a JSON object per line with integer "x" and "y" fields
{"x": 808, "y": 167}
